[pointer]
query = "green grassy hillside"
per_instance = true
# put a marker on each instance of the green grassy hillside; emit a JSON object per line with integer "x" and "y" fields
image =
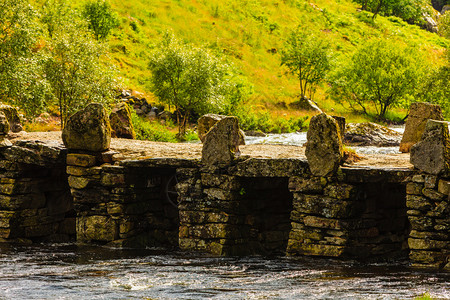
{"x": 251, "y": 34}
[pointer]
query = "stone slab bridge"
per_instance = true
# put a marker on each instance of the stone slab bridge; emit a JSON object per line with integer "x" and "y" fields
{"x": 223, "y": 204}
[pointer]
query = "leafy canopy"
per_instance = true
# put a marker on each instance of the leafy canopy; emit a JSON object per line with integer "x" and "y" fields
{"x": 191, "y": 79}
{"x": 74, "y": 67}
{"x": 306, "y": 56}
{"x": 380, "y": 75}
{"x": 21, "y": 76}
{"x": 102, "y": 19}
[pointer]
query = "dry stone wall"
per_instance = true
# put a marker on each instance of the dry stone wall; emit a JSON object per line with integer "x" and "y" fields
{"x": 121, "y": 204}
{"x": 429, "y": 215}
{"x": 35, "y": 202}
{"x": 349, "y": 215}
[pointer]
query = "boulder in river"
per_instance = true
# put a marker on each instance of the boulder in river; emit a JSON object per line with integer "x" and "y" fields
{"x": 88, "y": 129}
{"x": 371, "y": 134}
{"x": 419, "y": 114}
{"x": 432, "y": 153}
{"x": 324, "y": 147}
{"x": 221, "y": 143}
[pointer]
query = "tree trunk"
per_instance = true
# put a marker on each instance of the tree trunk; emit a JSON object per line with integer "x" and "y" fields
{"x": 377, "y": 10}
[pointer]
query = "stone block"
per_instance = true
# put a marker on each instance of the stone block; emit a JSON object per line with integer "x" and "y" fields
{"x": 422, "y": 244}
{"x": 421, "y": 223}
{"x": 426, "y": 257}
{"x": 433, "y": 195}
{"x": 318, "y": 222}
{"x": 444, "y": 187}
{"x": 312, "y": 185}
{"x": 120, "y": 120}
{"x": 340, "y": 191}
{"x": 88, "y": 129}
{"x": 221, "y": 144}
{"x": 418, "y": 203}
{"x": 82, "y": 171}
{"x": 81, "y": 160}
{"x": 109, "y": 179}
{"x": 295, "y": 248}
{"x": 432, "y": 153}
{"x": 419, "y": 114}
{"x": 325, "y": 206}
{"x": 96, "y": 228}
{"x": 413, "y": 188}
{"x": 224, "y": 182}
{"x": 324, "y": 147}
{"x": 77, "y": 182}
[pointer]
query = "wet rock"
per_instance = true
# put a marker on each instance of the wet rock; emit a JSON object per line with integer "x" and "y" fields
{"x": 120, "y": 120}
{"x": 256, "y": 133}
{"x": 432, "y": 153}
{"x": 419, "y": 114}
{"x": 371, "y": 134}
{"x": 4, "y": 129}
{"x": 324, "y": 146}
{"x": 341, "y": 125}
{"x": 4, "y": 124}
{"x": 206, "y": 122}
{"x": 221, "y": 143}
{"x": 13, "y": 117}
{"x": 88, "y": 129}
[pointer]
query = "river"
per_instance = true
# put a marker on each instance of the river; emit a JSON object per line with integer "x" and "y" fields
{"x": 67, "y": 271}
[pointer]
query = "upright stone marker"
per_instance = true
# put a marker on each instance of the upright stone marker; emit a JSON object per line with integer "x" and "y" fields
{"x": 206, "y": 122}
{"x": 221, "y": 143}
{"x": 432, "y": 153}
{"x": 324, "y": 147}
{"x": 419, "y": 114}
{"x": 88, "y": 129}
{"x": 120, "y": 120}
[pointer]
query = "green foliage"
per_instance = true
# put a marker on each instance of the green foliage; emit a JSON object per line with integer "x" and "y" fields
{"x": 444, "y": 25}
{"x": 102, "y": 19}
{"x": 411, "y": 11}
{"x": 436, "y": 88}
{"x": 306, "y": 56}
{"x": 190, "y": 79}
{"x": 73, "y": 65}
{"x": 262, "y": 121}
{"x": 21, "y": 76}
{"x": 381, "y": 74}
{"x": 152, "y": 131}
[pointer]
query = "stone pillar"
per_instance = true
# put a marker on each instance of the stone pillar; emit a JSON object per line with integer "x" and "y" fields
{"x": 221, "y": 144}
{"x": 428, "y": 198}
{"x": 35, "y": 202}
{"x": 429, "y": 215}
{"x": 210, "y": 219}
{"x": 324, "y": 145}
{"x": 87, "y": 135}
{"x": 419, "y": 114}
{"x": 432, "y": 153}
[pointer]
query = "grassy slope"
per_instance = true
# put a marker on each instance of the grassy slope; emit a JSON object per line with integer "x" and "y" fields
{"x": 240, "y": 29}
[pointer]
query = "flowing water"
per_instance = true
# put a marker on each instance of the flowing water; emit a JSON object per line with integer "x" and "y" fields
{"x": 73, "y": 272}
{"x": 299, "y": 139}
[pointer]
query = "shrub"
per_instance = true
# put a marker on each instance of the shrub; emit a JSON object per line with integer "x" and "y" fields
{"x": 101, "y": 18}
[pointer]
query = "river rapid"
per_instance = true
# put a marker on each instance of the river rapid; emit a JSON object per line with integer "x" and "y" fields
{"x": 68, "y": 271}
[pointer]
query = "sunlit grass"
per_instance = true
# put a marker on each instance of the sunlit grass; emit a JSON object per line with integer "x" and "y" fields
{"x": 240, "y": 30}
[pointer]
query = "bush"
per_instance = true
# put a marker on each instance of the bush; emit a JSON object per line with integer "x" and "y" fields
{"x": 381, "y": 75}
{"x": 101, "y": 18}
{"x": 249, "y": 120}
{"x": 151, "y": 130}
